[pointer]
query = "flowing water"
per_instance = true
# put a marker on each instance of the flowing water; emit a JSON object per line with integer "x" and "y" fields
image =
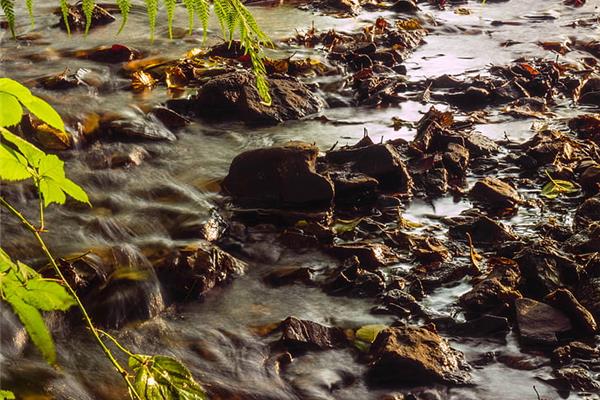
{"x": 136, "y": 206}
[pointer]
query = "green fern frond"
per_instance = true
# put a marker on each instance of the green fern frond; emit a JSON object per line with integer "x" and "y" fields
{"x": 8, "y": 6}
{"x": 88, "y": 8}
{"x": 152, "y": 11}
{"x": 170, "y": 6}
{"x": 64, "y": 8}
{"x": 124, "y": 6}
{"x": 29, "y": 5}
{"x": 203, "y": 12}
{"x": 191, "y": 9}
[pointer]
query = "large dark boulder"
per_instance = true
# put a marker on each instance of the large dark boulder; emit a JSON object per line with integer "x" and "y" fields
{"x": 234, "y": 96}
{"x": 282, "y": 176}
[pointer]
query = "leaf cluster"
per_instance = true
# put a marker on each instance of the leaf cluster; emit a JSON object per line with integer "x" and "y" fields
{"x": 19, "y": 159}
{"x": 29, "y": 294}
{"x": 164, "y": 378}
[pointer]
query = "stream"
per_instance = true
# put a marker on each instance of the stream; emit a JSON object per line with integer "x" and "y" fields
{"x": 140, "y": 206}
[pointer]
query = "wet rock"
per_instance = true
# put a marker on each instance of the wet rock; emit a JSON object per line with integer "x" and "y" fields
{"x": 379, "y": 161}
{"x": 349, "y": 185}
{"x": 586, "y": 240}
{"x": 370, "y": 255}
{"x": 405, "y": 6}
{"x": 587, "y": 125}
{"x": 302, "y": 335}
{"x": 577, "y": 379}
{"x": 424, "y": 248}
{"x": 483, "y": 230}
{"x": 129, "y": 157}
{"x": 353, "y": 280}
{"x": 588, "y": 294}
{"x": 587, "y": 212}
{"x": 116, "y": 285}
{"x": 456, "y": 159}
{"x": 66, "y": 80}
{"x": 574, "y": 351}
{"x": 540, "y": 323}
{"x": 124, "y": 128}
{"x": 46, "y": 136}
{"x": 564, "y": 300}
{"x": 434, "y": 274}
{"x": 400, "y": 303}
{"x": 282, "y": 176}
{"x": 169, "y": 118}
{"x": 190, "y": 272}
{"x": 545, "y": 268}
{"x": 77, "y": 21}
{"x": 234, "y": 96}
{"x": 415, "y": 355}
{"x": 590, "y": 179}
{"x": 116, "y": 53}
{"x": 485, "y": 325}
{"x": 472, "y": 97}
{"x": 495, "y": 193}
{"x": 209, "y": 228}
{"x": 289, "y": 275}
{"x": 590, "y": 91}
{"x": 497, "y": 290}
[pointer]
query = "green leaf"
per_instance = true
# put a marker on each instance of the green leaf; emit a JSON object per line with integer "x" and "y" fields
{"x": 44, "y": 112}
{"x": 343, "y": 226}
{"x": 53, "y": 184}
{"x": 13, "y": 87}
{"x": 32, "y": 154}
{"x": 164, "y": 378}
{"x": 13, "y": 166}
{"x": 556, "y": 187}
{"x": 47, "y": 295}
{"x": 368, "y": 333}
{"x": 10, "y": 110}
{"x": 8, "y": 6}
{"x": 7, "y": 395}
{"x": 34, "y": 325}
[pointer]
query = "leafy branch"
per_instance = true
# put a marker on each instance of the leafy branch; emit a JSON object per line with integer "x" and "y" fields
{"x": 30, "y": 294}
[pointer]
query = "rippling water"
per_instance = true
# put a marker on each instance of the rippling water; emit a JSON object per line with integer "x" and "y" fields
{"x": 136, "y": 207}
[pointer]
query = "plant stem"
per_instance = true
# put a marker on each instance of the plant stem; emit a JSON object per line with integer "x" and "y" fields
{"x": 70, "y": 289}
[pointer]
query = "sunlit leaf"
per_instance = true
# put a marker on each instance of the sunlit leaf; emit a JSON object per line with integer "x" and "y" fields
{"x": 47, "y": 295}
{"x": 13, "y": 166}
{"x": 34, "y": 324}
{"x": 556, "y": 187}
{"x": 10, "y": 110}
{"x": 7, "y": 395}
{"x": 368, "y": 333}
{"x": 44, "y": 112}
{"x": 164, "y": 378}
{"x": 32, "y": 154}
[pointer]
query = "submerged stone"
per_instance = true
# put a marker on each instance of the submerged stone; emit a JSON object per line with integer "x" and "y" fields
{"x": 302, "y": 335}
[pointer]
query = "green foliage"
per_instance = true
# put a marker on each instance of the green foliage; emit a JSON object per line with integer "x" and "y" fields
{"x": 8, "y": 6}
{"x": 556, "y": 187}
{"x": 12, "y": 93}
{"x": 29, "y": 294}
{"x": 20, "y": 160}
{"x": 170, "y": 6}
{"x": 152, "y": 11}
{"x": 366, "y": 335}
{"x": 7, "y": 395}
{"x": 88, "y": 8}
{"x": 164, "y": 378}
{"x": 125, "y": 7}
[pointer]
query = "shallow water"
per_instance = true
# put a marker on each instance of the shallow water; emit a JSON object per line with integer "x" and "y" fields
{"x": 132, "y": 207}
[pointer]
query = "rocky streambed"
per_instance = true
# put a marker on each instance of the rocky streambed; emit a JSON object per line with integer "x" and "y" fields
{"x": 415, "y": 216}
